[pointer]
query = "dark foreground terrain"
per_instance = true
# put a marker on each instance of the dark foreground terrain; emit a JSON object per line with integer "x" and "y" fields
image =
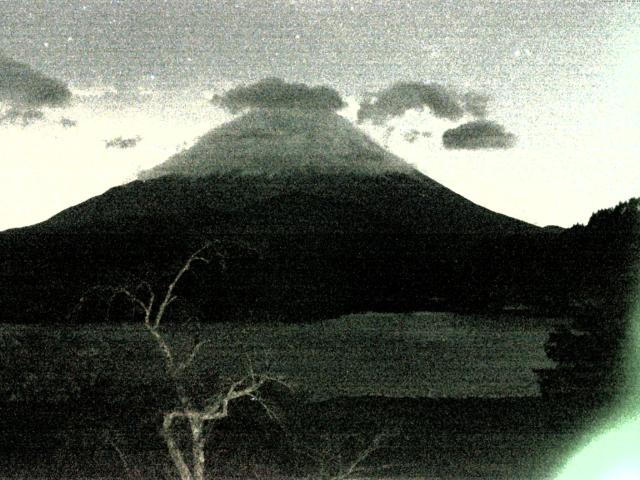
{"x": 418, "y": 438}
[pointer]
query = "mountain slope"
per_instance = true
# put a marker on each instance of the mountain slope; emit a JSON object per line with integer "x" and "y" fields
{"x": 285, "y": 170}
{"x": 294, "y": 203}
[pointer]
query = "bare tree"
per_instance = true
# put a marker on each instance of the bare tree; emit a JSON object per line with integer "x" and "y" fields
{"x": 195, "y": 414}
{"x": 332, "y": 465}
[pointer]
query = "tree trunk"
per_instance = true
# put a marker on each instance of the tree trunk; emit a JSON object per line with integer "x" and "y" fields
{"x": 197, "y": 445}
{"x": 174, "y": 449}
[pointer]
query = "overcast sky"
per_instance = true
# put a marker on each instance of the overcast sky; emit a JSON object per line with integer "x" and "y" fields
{"x": 562, "y": 78}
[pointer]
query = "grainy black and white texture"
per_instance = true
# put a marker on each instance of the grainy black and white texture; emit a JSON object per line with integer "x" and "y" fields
{"x": 314, "y": 239}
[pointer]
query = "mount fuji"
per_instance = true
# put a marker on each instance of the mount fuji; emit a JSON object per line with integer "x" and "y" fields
{"x": 333, "y": 222}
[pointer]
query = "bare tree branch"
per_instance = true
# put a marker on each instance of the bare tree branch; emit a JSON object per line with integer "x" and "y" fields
{"x": 132, "y": 472}
{"x": 215, "y": 408}
{"x": 351, "y": 468}
{"x": 330, "y": 465}
{"x": 189, "y": 360}
{"x": 169, "y": 296}
{"x": 146, "y": 307}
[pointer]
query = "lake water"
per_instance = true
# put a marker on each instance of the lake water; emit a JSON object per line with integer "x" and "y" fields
{"x": 420, "y": 354}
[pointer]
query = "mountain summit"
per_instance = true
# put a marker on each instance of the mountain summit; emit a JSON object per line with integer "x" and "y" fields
{"x": 272, "y": 141}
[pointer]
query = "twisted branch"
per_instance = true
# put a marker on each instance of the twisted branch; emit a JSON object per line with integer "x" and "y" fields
{"x": 143, "y": 297}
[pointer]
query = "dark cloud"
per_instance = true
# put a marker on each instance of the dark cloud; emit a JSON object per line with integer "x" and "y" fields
{"x": 478, "y": 134}
{"x": 476, "y": 104}
{"x": 397, "y": 99}
{"x": 120, "y": 142}
{"x": 275, "y": 93}
{"x": 20, "y": 85}
{"x": 413, "y": 135}
{"x": 16, "y": 116}
{"x": 67, "y": 122}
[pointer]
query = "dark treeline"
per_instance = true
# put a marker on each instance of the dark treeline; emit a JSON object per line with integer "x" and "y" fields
{"x": 603, "y": 267}
{"x": 300, "y": 277}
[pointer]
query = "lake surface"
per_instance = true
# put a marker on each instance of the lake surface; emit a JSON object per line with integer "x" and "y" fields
{"x": 420, "y": 354}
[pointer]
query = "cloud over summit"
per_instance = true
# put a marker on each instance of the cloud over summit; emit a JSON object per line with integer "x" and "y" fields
{"x": 22, "y": 86}
{"x": 478, "y": 134}
{"x": 276, "y": 93}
